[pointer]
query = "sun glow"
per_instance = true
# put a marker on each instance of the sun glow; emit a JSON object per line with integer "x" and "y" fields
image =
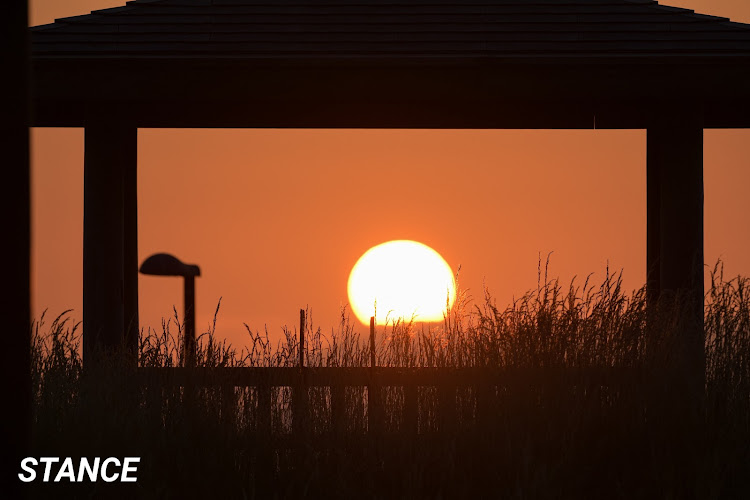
{"x": 402, "y": 279}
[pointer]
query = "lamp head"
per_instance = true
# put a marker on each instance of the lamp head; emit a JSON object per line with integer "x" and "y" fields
{"x": 164, "y": 264}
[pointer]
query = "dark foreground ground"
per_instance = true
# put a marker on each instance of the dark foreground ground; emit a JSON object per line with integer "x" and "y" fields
{"x": 603, "y": 404}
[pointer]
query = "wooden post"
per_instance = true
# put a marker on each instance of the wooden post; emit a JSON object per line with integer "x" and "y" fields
{"x": 188, "y": 345}
{"x": 228, "y": 405}
{"x": 653, "y": 219}
{"x": 675, "y": 227}
{"x": 264, "y": 452}
{"x": 302, "y": 338}
{"x": 447, "y": 402}
{"x": 16, "y": 360}
{"x": 374, "y": 403}
{"x": 155, "y": 397}
{"x": 109, "y": 151}
{"x": 338, "y": 410}
{"x": 263, "y": 411}
{"x": 372, "y": 341}
{"x": 189, "y": 306}
{"x": 411, "y": 409}
{"x": 485, "y": 405}
{"x": 130, "y": 251}
{"x": 338, "y": 420}
{"x": 299, "y": 396}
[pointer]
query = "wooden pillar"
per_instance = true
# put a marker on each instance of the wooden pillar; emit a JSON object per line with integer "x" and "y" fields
{"x": 675, "y": 223}
{"x": 16, "y": 361}
{"x": 130, "y": 241}
{"x": 110, "y": 156}
{"x": 653, "y": 217}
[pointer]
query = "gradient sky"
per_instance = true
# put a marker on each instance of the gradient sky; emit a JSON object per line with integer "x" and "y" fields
{"x": 277, "y": 218}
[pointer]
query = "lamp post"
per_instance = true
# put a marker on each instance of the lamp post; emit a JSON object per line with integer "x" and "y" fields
{"x": 162, "y": 264}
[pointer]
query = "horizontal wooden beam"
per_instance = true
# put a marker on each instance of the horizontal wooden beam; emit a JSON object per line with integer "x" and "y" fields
{"x": 213, "y": 94}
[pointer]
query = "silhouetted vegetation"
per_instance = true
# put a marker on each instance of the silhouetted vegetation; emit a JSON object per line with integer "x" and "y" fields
{"x": 589, "y": 402}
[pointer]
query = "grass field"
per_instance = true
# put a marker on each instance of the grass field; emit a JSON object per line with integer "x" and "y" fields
{"x": 563, "y": 430}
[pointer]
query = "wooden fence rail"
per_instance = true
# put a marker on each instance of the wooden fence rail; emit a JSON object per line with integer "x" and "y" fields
{"x": 439, "y": 391}
{"x": 330, "y": 376}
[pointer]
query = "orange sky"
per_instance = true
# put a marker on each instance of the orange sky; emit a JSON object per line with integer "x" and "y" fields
{"x": 277, "y": 218}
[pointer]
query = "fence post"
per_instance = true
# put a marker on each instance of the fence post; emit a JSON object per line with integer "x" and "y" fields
{"x": 410, "y": 409}
{"x": 263, "y": 410}
{"x": 447, "y": 402}
{"x": 299, "y": 396}
{"x": 372, "y": 342}
{"x": 486, "y": 404}
{"x": 155, "y": 395}
{"x": 337, "y": 409}
{"x": 264, "y": 452}
{"x": 228, "y": 404}
{"x": 302, "y": 324}
{"x": 374, "y": 413}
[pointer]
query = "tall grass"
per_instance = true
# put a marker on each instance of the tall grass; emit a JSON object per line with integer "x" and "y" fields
{"x": 589, "y": 405}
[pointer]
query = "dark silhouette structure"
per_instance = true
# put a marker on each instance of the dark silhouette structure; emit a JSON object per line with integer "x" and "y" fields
{"x": 162, "y": 264}
{"x": 553, "y": 64}
{"x": 16, "y": 360}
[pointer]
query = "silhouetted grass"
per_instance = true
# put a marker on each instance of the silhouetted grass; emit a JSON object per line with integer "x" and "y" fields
{"x": 592, "y": 404}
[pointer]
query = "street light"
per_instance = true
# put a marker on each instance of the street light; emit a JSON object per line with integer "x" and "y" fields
{"x": 163, "y": 264}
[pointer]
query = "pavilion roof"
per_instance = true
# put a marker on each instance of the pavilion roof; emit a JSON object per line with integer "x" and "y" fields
{"x": 390, "y": 63}
{"x": 393, "y": 29}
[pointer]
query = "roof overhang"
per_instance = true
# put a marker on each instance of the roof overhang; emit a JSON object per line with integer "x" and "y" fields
{"x": 394, "y": 64}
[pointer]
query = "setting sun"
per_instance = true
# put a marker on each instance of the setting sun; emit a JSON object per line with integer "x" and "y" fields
{"x": 401, "y": 279}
